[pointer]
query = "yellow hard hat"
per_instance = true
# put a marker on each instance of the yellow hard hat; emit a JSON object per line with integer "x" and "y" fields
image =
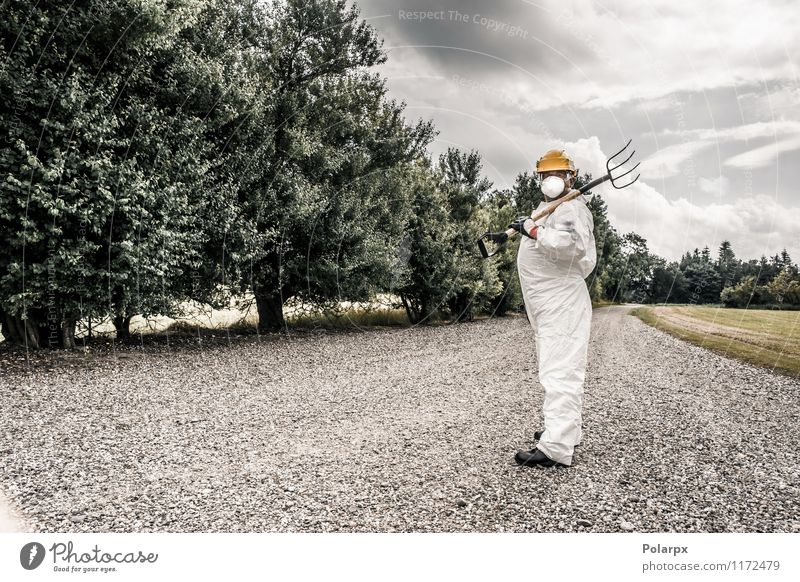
{"x": 554, "y": 160}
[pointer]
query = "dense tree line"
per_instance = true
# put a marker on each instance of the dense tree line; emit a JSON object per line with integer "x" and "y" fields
{"x": 702, "y": 278}
{"x": 156, "y": 154}
{"x": 163, "y": 152}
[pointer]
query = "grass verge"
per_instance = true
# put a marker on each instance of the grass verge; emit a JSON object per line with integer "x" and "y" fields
{"x": 351, "y": 318}
{"x": 765, "y": 338}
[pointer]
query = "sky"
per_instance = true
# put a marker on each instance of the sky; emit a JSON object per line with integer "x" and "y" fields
{"x": 708, "y": 92}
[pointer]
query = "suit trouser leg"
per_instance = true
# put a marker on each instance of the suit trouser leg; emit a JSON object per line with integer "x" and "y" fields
{"x": 562, "y": 348}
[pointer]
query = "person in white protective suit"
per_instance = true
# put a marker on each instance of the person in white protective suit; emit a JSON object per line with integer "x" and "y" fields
{"x": 555, "y": 255}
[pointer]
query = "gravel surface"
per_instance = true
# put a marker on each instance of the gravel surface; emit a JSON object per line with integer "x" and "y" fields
{"x": 397, "y": 430}
{"x": 10, "y": 521}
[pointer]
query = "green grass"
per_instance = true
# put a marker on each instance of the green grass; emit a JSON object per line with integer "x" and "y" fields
{"x": 762, "y": 337}
{"x": 352, "y": 318}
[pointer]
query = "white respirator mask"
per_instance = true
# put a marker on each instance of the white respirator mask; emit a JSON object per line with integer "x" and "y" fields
{"x": 552, "y": 186}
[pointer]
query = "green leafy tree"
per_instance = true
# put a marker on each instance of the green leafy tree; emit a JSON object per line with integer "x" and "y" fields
{"x": 503, "y": 211}
{"x": 630, "y": 270}
{"x": 426, "y": 283}
{"x": 667, "y": 285}
{"x": 742, "y": 294}
{"x": 766, "y": 270}
{"x": 527, "y": 193}
{"x": 322, "y": 185}
{"x": 702, "y": 278}
{"x": 608, "y": 246}
{"x": 785, "y": 289}
{"x": 474, "y": 282}
{"x": 98, "y": 171}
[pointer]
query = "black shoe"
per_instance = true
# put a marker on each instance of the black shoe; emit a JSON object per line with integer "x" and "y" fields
{"x": 537, "y": 436}
{"x": 535, "y": 457}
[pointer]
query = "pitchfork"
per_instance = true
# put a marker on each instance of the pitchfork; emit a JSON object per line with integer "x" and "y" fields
{"x": 500, "y": 238}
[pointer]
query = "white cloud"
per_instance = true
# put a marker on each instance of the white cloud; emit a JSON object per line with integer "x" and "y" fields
{"x": 663, "y": 47}
{"x": 764, "y": 155}
{"x": 719, "y": 186}
{"x": 755, "y": 225}
{"x": 779, "y": 102}
{"x": 655, "y": 105}
{"x": 740, "y": 132}
{"x": 671, "y": 160}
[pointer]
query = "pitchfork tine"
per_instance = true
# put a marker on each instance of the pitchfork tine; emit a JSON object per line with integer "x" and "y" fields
{"x": 628, "y": 172}
{"x": 622, "y": 163}
{"x": 622, "y": 150}
{"x": 631, "y": 182}
{"x": 613, "y": 183}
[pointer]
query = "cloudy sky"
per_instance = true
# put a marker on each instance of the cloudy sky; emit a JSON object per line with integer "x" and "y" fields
{"x": 708, "y": 92}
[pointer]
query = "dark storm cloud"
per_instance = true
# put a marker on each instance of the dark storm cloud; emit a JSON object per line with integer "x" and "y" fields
{"x": 477, "y": 38}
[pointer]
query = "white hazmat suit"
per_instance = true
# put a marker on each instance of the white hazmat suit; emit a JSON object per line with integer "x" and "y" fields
{"x": 552, "y": 269}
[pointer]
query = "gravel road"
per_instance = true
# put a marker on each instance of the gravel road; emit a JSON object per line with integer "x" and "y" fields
{"x": 398, "y": 430}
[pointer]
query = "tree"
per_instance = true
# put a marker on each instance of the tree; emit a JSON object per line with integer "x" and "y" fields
{"x": 425, "y": 286}
{"x": 474, "y": 282}
{"x": 527, "y": 193}
{"x": 746, "y": 293}
{"x": 702, "y": 282}
{"x": 607, "y": 242}
{"x": 630, "y": 271}
{"x": 728, "y": 266}
{"x": 98, "y": 170}
{"x": 667, "y": 285}
{"x": 785, "y": 289}
{"x": 502, "y": 212}
{"x": 788, "y": 264}
{"x": 766, "y": 271}
{"x": 323, "y": 191}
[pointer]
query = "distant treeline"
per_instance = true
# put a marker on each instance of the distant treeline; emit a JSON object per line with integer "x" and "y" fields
{"x": 160, "y": 153}
{"x": 700, "y": 277}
